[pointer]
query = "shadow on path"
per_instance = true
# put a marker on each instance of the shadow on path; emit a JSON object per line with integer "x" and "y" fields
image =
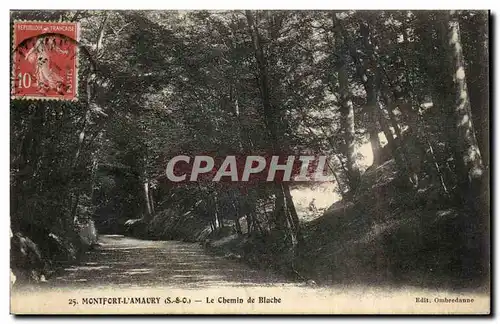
{"x": 129, "y": 262}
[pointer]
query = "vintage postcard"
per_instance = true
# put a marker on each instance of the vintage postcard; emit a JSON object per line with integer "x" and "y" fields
{"x": 250, "y": 162}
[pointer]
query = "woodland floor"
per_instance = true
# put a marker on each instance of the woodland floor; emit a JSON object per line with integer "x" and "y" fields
{"x": 387, "y": 236}
{"x": 122, "y": 263}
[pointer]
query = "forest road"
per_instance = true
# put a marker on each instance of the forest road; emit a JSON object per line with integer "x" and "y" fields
{"x": 129, "y": 262}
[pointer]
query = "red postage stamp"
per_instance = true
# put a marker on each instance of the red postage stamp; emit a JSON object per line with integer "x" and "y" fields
{"x": 45, "y": 60}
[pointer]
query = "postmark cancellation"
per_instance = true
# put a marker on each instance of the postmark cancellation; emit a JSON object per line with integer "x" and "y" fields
{"x": 45, "y": 60}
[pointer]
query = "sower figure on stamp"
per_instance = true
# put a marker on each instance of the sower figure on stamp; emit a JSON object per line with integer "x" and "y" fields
{"x": 40, "y": 54}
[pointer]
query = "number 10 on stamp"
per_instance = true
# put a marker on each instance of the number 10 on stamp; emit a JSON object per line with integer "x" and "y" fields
{"x": 45, "y": 60}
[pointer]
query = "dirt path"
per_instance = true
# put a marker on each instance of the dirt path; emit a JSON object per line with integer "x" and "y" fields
{"x": 125, "y": 266}
{"x": 128, "y": 262}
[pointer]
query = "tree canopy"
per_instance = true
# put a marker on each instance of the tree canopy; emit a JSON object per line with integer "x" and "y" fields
{"x": 411, "y": 86}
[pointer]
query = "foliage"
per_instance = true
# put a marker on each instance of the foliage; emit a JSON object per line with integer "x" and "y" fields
{"x": 154, "y": 84}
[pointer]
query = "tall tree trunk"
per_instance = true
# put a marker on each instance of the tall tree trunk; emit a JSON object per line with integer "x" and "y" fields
{"x": 472, "y": 184}
{"x": 372, "y": 88}
{"x": 219, "y": 210}
{"x": 279, "y": 213}
{"x": 151, "y": 201}
{"x": 215, "y": 211}
{"x": 294, "y": 218}
{"x": 90, "y": 91}
{"x": 366, "y": 74}
{"x": 469, "y": 165}
{"x": 393, "y": 120}
{"x": 249, "y": 218}
{"x": 271, "y": 118}
{"x": 346, "y": 110}
{"x": 90, "y": 84}
{"x": 238, "y": 226}
{"x": 437, "y": 168}
{"x": 406, "y": 164}
{"x": 235, "y": 201}
{"x": 149, "y": 213}
{"x": 372, "y": 111}
{"x": 74, "y": 208}
{"x": 269, "y": 111}
{"x": 342, "y": 192}
{"x": 476, "y": 28}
